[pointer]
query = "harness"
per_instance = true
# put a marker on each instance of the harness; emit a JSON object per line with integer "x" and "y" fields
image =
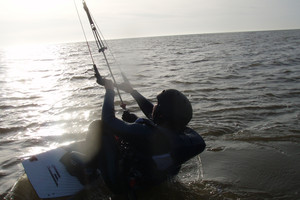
{"x": 134, "y": 163}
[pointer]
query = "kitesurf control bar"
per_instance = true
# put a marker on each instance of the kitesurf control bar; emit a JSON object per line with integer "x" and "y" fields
{"x": 101, "y": 48}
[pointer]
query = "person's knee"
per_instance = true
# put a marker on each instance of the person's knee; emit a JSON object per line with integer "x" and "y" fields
{"x": 95, "y": 127}
{"x": 93, "y": 138}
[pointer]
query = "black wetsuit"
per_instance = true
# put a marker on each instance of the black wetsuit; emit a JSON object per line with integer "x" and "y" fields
{"x": 146, "y": 150}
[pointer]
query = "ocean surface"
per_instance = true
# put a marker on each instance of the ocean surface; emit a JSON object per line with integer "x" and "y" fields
{"x": 244, "y": 88}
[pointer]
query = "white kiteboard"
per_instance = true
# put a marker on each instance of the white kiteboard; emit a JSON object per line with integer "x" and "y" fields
{"x": 49, "y": 177}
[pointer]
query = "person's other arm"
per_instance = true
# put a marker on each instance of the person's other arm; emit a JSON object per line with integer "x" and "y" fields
{"x": 145, "y": 105}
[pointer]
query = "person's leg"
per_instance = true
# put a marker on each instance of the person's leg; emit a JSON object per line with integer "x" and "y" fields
{"x": 105, "y": 151}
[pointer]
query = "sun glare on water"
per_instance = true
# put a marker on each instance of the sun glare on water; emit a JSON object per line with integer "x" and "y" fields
{"x": 28, "y": 66}
{"x": 32, "y": 77}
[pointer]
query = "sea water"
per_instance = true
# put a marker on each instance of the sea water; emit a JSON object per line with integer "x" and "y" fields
{"x": 244, "y": 88}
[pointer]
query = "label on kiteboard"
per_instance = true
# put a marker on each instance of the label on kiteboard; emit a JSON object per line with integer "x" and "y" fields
{"x": 49, "y": 177}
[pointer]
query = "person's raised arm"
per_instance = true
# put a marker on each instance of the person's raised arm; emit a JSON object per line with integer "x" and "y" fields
{"x": 134, "y": 133}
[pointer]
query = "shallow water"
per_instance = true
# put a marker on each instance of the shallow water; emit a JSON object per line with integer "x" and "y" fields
{"x": 244, "y": 87}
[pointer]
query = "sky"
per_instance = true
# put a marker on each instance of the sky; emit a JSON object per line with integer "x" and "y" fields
{"x": 55, "y": 21}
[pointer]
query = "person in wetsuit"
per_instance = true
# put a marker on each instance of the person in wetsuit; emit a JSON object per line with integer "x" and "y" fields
{"x": 140, "y": 152}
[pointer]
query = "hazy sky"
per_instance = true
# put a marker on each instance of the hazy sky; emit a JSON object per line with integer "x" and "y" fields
{"x": 56, "y": 21}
